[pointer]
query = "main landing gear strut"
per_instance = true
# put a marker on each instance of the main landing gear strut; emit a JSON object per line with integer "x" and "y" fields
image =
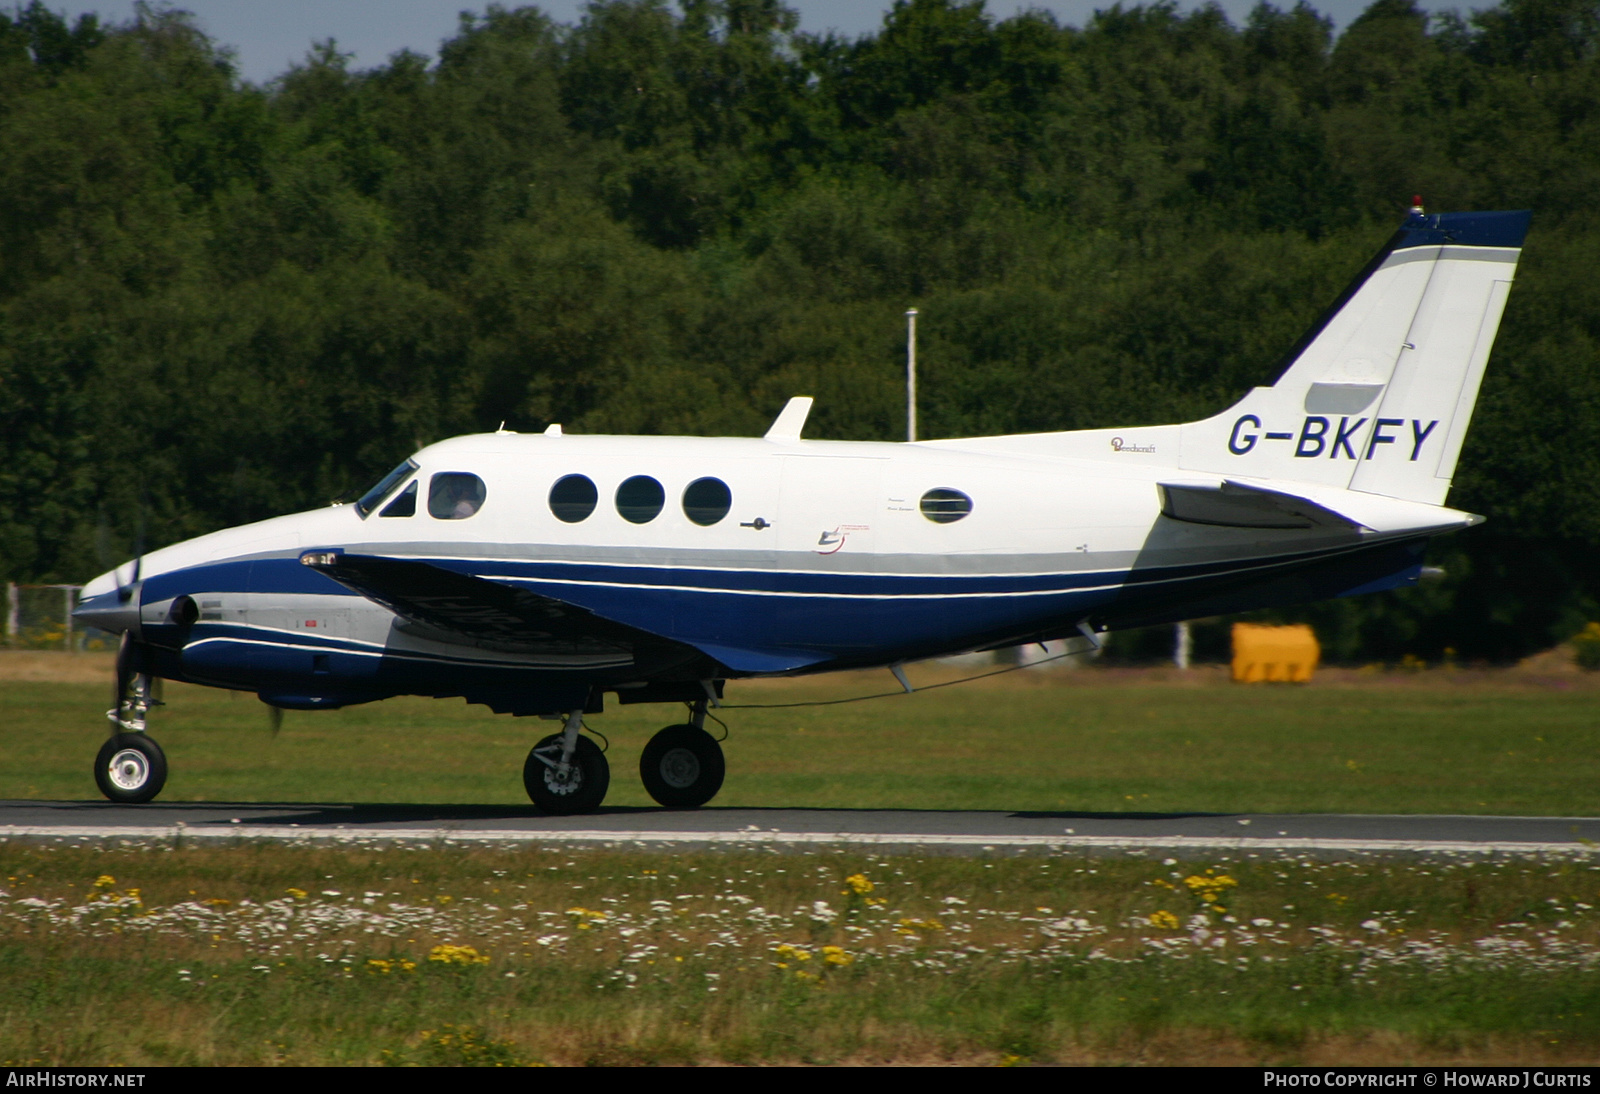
{"x": 681, "y": 767}
{"x": 566, "y": 773}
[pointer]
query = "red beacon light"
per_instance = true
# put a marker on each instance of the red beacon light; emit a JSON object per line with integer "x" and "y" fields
{"x": 1416, "y": 203}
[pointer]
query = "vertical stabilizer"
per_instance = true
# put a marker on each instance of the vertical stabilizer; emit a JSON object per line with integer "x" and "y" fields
{"x": 1378, "y": 394}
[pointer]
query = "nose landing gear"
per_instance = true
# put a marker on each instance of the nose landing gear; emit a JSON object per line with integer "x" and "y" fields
{"x": 682, "y": 766}
{"x": 131, "y": 768}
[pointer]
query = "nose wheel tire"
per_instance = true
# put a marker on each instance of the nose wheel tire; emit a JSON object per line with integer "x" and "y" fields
{"x": 682, "y": 767}
{"x": 131, "y": 768}
{"x": 581, "y": 790}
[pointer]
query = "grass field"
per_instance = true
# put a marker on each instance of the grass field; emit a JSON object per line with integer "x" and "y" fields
{"x": 272, "y": 954}
{"x": 1092, "y": 740}
{"x": 296, "y": 955}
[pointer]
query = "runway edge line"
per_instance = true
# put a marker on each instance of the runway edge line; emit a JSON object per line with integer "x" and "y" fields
{"x": 278, "y": 833}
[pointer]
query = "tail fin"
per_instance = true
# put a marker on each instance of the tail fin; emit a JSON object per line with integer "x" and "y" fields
{"x": 1378, "y": 394}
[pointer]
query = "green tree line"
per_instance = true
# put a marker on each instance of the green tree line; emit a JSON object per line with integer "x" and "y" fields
{"x": 222, "y": 301}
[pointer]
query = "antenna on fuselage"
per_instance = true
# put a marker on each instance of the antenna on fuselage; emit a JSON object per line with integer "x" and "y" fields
{"x": 791, "y": 420}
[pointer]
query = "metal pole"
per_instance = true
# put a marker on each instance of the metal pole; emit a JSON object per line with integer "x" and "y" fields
{"x": 1182, "y": 645}
{"x": 911, "y": 374}
{"x": 66, "y": 593}
{"x": 13, "y": 612}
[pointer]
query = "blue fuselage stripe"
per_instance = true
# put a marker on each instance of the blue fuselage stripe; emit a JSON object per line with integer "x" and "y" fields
{"x": 286, "y": 575}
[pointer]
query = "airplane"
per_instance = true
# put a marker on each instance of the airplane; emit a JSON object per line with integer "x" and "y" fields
{"x": 539, "y": 573}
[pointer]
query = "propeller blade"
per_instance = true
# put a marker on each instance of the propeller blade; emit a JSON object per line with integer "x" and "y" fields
{"x": 125, "y": 589}
{"x": 125, "y": 592}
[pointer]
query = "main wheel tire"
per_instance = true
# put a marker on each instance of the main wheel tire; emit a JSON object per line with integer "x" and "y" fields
{"x": 682, "y": 767}
{"x": 584, "y": 788}
{"x": 131, "y": 768}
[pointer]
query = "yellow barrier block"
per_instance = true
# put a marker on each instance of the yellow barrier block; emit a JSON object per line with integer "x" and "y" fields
{"x": 1263, "y": 654}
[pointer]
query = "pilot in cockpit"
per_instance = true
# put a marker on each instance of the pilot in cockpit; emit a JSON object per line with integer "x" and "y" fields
{"x": 455, "y": 495}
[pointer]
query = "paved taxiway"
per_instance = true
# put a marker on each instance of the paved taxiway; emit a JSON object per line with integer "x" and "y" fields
{"x": 970, "y": 831}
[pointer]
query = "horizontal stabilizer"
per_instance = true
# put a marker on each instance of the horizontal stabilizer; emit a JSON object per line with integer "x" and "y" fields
{"x": 1237, "y": 505}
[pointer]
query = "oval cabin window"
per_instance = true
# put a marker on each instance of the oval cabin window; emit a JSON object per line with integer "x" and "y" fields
{"x": 639, "y": 499}
{"x": 455, "y": 495}
{"x": 573, "y": 498}
{"x": 707, "y": 501}
{"x": 945, "y": 506}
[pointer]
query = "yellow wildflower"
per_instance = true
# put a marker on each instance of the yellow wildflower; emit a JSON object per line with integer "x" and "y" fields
{"x": 835, "y": 955}
{"x": 1164, "y": 920}
{"x": 457, "y": 955}
{"x": 858, "y": 884}
{"x": 1209, "y": 887}
{"x": 105, "y": 881}
{"x": 298, "y": 894}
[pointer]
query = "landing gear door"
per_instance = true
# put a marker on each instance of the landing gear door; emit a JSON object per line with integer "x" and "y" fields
{"x": 831, "y": 505}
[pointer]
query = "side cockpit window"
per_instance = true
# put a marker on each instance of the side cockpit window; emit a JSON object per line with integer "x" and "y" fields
{"x": 455, "y": 495}
{"x": 386, "y": 485}
{"x": 404, "y": 503}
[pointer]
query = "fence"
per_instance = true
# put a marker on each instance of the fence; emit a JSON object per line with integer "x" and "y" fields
{"x": 39, "y": 617}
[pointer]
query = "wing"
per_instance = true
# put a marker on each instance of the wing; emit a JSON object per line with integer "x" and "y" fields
{"x": 1237, "y": 505}
{"x": 450, "y": 606}
{"x": 476, "y": 610}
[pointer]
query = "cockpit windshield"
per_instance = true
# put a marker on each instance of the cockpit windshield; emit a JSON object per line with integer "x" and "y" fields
{"x": 372, "y": 498}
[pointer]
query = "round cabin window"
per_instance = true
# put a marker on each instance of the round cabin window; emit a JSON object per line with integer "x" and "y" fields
{"x": 707, "y": 501}
{"x": 639, "y": 499}
{"x": 945, "y": 506}
{"x": 573, "y": 498}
